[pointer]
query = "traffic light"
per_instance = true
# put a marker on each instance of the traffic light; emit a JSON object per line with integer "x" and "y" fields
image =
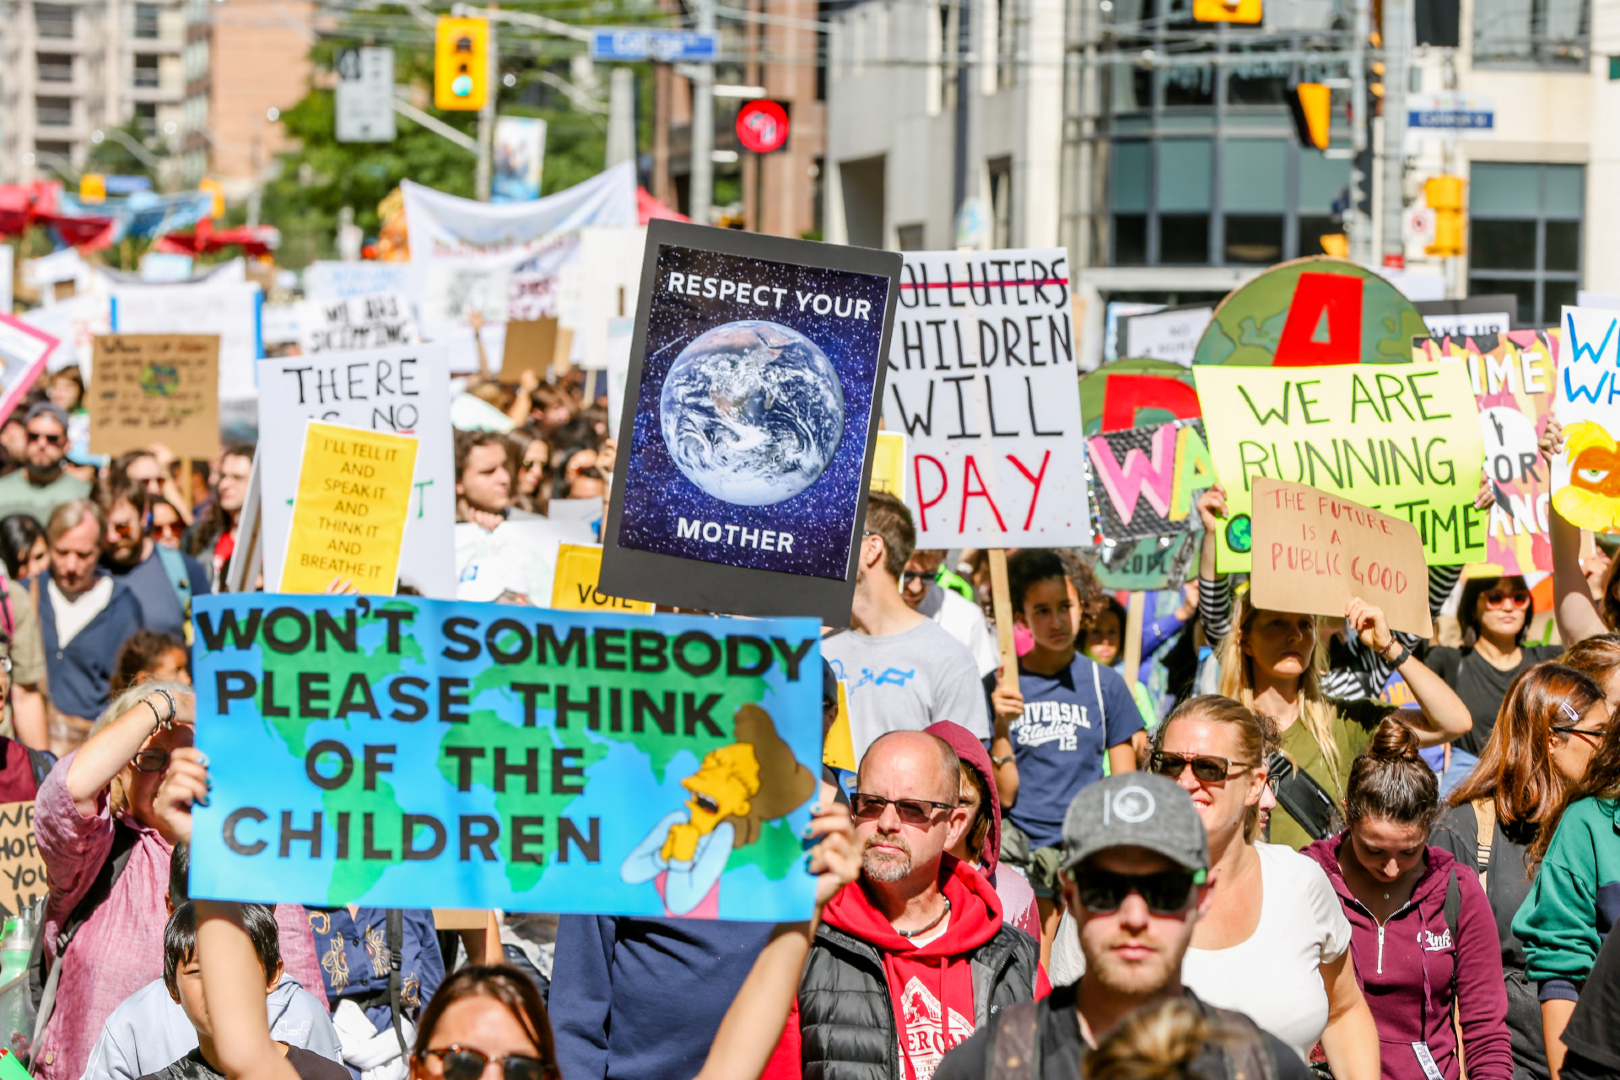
{"x": 1233, "y": 11}
{"x": 92, "y": 188}
{"x": 1312, "y": 106}
{"x": 461, "y": 64}
{"x": 1444, "y": 194}
{"x": 217, "y": 190}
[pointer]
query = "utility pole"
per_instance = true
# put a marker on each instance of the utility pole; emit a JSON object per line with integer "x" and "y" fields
{"x": 486, "y": 115}
{"x": 1398, "y": 32}
{"x": 700, "y": 189}
{"x": 1357, "y": 226}
{"x": 964, "y": 82}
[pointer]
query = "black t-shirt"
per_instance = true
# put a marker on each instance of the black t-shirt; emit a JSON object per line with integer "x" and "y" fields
{"x": 308, "y": 1064}
{"x": 1481, "y": 686}
{"x": 1593, "y": 1034}
{"x": 1063, "y": 1049}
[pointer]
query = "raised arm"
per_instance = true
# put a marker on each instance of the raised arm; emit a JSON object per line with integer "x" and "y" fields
{"x": 1444, "y": 717}
{"x": 106, "y": 752}
{"x": 233, "y": 989}
{"x": 1574, "y": 610}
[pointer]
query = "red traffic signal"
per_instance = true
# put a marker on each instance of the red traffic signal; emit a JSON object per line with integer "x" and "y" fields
{"x": 762, "y": 126}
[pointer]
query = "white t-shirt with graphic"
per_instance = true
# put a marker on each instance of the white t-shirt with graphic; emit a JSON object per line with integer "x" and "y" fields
{"x": 904, "y": 682}
{"x": 1274, "y": 976}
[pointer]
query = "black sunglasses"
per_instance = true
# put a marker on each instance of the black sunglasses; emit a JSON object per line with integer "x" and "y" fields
{"x": 1205, "y": 767}
{"x": 911, "y": 811}
{"x": 54, "y": 440}
{"x": 1168, "y": 892}
{"x": 908, "y": 576}
{"x": 462, "y": 1063}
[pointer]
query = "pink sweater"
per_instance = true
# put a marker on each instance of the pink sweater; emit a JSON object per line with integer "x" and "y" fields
{"x": 120, "y": 948}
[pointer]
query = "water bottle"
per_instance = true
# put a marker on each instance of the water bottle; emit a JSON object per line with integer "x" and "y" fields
{"x": 16, "y": 1003}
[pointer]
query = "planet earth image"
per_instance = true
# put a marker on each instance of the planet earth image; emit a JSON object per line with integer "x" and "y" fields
{"x": 159, "y": 380}
{"x": 752, "y": 412}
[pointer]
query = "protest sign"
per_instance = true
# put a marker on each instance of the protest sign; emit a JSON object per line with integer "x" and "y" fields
{"x": 579, "y": 568}
{"x": 518, "y": 560}
{"x": 22, "y": 868}
{"x": 1402, "y": 438}
{"x": 1310, "y": 312}
{"x": 425, "y": 753}
{"x": 1514, "y": 379}
{"x": 357, "y": 322}
{"x": 1134, "y": 393}
{"x": 1147, "y": 564}
{"x": 24, "y": 352}
{"x": 1474, "y": 316}
{"x": 228, "y": 309}
{"x": 1314, "y": 552}
{"x": 1171, "y": 334}
{"x": 531, "y": 345}
{"x": 155, "y": 388}
{"x": 404, "y": 389}
{"x": 748, "y": 432}
{"x": 889, "y": 464}
{"x": 74, "y": 323}
{"x": 333, "y": 280}
{"x": 982, "y": 383}
{"x": 1144, "y": 480}
{"x": 348, "y": 518}
{"x": 1586, "y": 474}
{"x": 609, "y": 271}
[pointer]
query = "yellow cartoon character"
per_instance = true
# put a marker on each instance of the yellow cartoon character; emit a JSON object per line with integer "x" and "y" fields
{"x": 1592, "y": 499}
{"x": 738, "y": 788}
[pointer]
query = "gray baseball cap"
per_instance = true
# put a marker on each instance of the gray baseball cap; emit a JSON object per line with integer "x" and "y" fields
{"x": 1135, "y": 809}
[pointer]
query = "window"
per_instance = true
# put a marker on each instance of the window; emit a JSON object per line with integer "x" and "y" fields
{"x": 146, "y": 117}
{"x": 1001, "y": 200}
{"x": 1531, "y": 34}
{"x": 949, "y": 46}
{"x": 1006, "y": 43}
{"x": 54, "y": 67}
{"x": 53, "y": 20}
{"x": 146, "y": 71}
{"x": 146, "y": 21}
{"x": 1255, "y": 198}
{"x": 1524, "y": 235}
{"x": 910, "y": 237}
{"x": 54, "y": 111}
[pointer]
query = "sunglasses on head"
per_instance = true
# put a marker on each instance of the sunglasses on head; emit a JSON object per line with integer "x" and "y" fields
{"x": 462, "y": 1063}
{"x": 1497, "y": 597}
{"x": 1206, "y": 767}
{"x": 1169, "y": 892}
{"x": 911, "y": 811}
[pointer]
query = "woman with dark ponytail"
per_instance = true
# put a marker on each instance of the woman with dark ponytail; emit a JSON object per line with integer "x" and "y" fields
{"x": 1422, "y": 932}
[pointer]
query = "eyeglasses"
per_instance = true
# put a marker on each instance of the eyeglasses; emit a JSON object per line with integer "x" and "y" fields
{"x": 534, "y": 464}
{"x": 151, "y": 761}
{"x": 1497, "y": 597}
{"x": 1205, "y": 767}
{"x": 1571, "y": 729}
{"x": 911, "y": 811}
{"x": 53, "y": 440}
{"x": 908, "y": 576}
{"x": 1168, "y": 892}
{"x": 462, "y": 1063}
{"x": 125, "y": 529}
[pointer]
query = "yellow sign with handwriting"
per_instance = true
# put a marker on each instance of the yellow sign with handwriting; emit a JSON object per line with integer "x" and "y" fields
{"x": 579, "y": 567}
{"x": 889, "y": 464}
{"x": 354, "y": 491}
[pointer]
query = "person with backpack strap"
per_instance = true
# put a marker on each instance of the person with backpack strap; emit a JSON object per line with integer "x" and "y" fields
{"x": 1421, "y": 931}
{"x": 1134, "y": 876}
{"x": 163, "y": 580}
{"x": 106, "y": 842}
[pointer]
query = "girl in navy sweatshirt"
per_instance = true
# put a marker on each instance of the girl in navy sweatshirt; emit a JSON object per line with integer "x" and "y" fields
{"x": 1422, "y": 932}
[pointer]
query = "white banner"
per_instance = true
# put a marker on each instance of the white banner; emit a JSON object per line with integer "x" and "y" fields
{"x": 359, "y": 322}
{"x": 333, "y": 280}
{"x": 983, "y": 383}
{"x": 230, "y": 310}
{"x": 403, "y": 389}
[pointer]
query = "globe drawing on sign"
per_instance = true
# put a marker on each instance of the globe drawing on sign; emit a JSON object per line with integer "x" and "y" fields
{"x": 752, "y": 412}
{"x": 160, "y": 380}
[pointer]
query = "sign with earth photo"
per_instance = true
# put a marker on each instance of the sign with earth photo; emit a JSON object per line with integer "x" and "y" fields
{"x": 755, "y": 373}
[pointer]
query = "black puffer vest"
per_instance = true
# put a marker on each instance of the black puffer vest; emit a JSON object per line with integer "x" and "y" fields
{"x": 846, "y": 1017}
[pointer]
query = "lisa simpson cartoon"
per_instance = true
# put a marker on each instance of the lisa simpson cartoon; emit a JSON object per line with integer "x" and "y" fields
{"x": 738, "y": 788}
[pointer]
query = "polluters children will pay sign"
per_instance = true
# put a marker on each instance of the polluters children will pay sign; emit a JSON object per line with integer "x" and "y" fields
{"x": 982, "y": 382}
{"x": 1314, "y": 552}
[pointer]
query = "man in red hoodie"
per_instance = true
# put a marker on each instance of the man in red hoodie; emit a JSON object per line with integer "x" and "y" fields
{"x": 913, "y": 957}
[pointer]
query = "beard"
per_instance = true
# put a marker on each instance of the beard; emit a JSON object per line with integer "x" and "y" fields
{"x": 883, "y": 866}
{"x": 1133, "y": 979}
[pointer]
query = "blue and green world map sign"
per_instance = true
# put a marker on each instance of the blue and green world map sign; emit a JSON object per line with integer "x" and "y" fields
{"x": 402, "y": 752}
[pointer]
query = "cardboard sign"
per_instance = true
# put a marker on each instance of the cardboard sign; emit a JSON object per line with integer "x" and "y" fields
{"x": 24, "y": 353}
{"x": 1144, "y": 481}
{"x": 1403, "y": 438}
{"x": 430, "y": 753}
{"x": 348, "y": 520}
{"x": 359, "y": 322}
{"x": 155, "y": 388}
{"x": 749, "y": 424}
{"x": 982, "y": 382}
{"x": 532, "y": 345}
{"x": 579, "y": 567}
{"x": 1311, "y": 312}
{"x": 404, "y": 390}
{"x": 889, "y": 464}
{"x": 22, "y": 868}
{"x": 227, "y": 309}
{"x": 1514, "y": 378}
{"x": 1586, "y": 475}
{"x": 1314, "y": 551}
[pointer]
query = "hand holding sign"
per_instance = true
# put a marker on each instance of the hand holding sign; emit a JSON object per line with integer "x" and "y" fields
{"x": 1319, "y": 554}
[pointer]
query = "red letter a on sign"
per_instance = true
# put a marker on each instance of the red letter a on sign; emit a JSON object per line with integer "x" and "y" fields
{"x": 1324, "y": 322}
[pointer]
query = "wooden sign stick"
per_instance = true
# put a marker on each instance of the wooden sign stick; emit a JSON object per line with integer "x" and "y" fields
{"x": 1001, "y": 601}
{"x": 1132, "y": 645}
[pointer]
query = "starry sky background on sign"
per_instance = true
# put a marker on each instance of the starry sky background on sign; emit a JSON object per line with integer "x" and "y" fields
{"x": 821, "y": 518}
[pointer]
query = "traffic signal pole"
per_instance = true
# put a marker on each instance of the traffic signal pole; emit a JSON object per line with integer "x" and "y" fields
{"x": 700, "y": 192}
{"x": 486, "y": 115}
{"x": 1398, "y": 32}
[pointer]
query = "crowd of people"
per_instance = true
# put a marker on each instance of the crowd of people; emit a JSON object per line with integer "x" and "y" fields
{"x": 1234, "y": 857}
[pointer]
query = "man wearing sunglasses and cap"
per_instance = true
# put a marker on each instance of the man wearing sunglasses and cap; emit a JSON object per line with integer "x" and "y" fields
{"x": 914, "y": 955}
{"x": 1135, "y": 877}
{"x": 41, "y": 485}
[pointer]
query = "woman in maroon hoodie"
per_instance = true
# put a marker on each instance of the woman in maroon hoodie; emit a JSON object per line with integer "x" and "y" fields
{"x": 1422, "y": 932}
